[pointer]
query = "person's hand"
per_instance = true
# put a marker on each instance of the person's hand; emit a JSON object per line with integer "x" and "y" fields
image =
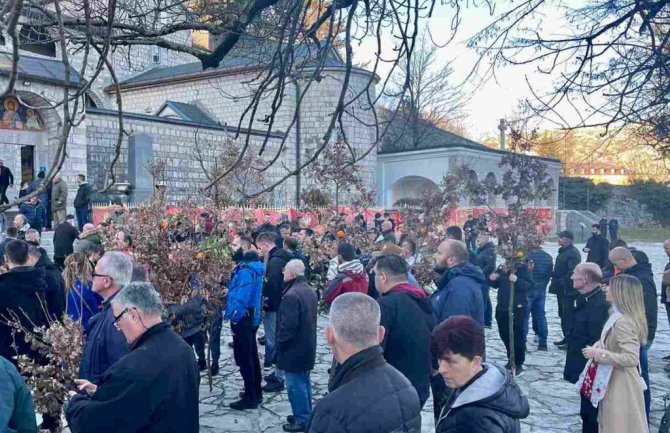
{"x": 513, "y": 278}
{"x": 590, "y": 352}
{"x": 494, "y": 277}
{"x": 85, "y": 385}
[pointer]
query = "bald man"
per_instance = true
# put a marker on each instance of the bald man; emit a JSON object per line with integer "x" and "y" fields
{"x": 623, "y": 259}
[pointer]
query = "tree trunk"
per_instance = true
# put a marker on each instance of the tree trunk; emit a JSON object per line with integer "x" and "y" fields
{"x": 510, "y": 312}
{"x": 337, "y": 198}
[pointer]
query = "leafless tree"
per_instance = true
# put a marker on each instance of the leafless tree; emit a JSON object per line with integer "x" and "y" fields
{"x": 423, "y": 96}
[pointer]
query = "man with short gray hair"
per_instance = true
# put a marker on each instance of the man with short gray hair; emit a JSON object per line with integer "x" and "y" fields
{"x": 295, "y": 350}
{"x": 153, "y": 388}
{"x": 366, "y": 394}
{"x": 104, "y": 345}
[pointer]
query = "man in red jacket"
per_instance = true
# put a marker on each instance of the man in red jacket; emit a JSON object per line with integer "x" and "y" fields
{"x": 351, "y": 275}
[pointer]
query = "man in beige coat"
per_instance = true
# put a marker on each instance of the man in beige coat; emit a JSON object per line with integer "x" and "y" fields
{"x": 58, "y": 201}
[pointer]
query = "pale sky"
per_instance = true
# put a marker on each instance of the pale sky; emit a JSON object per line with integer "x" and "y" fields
{"x": 489, "y": 100}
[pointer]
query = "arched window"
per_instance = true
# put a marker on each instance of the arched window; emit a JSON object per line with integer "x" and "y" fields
{"x": 36, "y": 40}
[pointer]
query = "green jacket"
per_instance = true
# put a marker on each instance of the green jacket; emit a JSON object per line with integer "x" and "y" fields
{"x": 17, "y": 414}
{"x": 59, "y": 196}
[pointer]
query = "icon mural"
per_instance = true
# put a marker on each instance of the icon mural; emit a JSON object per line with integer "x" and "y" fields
{"x": 19, "y": 117}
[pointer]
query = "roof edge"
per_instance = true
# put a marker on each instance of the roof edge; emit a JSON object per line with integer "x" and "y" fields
{"x": 480, "y": 148}
{"x": 179, "y": 122}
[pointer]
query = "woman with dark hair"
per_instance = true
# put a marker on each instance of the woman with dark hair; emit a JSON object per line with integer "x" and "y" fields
{"x": 485, "y": 398}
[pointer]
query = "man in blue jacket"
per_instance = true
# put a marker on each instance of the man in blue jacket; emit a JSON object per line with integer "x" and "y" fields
{"x": 243, "y": 309}
{"x": 104, "y": 344}
{"x": 459, "y": 289}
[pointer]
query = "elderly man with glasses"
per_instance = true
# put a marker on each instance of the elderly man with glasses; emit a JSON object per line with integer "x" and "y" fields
{"x": 104, "y": 344}
{"x": 151, "y": 389}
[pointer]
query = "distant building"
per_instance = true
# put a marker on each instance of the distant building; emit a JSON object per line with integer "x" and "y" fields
{"x": 601, "y": 172}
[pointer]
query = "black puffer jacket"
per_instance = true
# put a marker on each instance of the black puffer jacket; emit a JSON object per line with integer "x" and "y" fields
{"x": 493, "y": 403}
{"x": 22, "y": 292}
{"x": 486, "y": 258}
{"x": 598, "y": 250}
{"x": 567, "y": 260}
{"x": 642, "y": 271}
{"x": 55, "y": 292}
{"x": 407, "y": 315}
{"x": 273, "y": 283}
{"x": 591, "y": 313}
{"x": 523, "y": 284}
{"x": 367, "y": 395}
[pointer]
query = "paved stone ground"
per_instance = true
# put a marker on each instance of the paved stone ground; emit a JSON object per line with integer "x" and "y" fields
{"x": 554, "y": 402}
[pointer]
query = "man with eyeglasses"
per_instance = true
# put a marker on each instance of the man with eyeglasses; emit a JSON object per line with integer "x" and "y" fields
{"x": 104, "y": 344}
{"x": 151, "y": 389}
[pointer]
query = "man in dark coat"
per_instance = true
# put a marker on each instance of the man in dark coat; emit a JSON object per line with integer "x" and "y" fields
{"x": 22, "y": 291}
{"x": 365, "y": 393}
{"x": 602, "y": 225}
{"x": 459, "y": 289}
{"x": 6, "y": 181}
{"x": 11, "y": 233}
{"x": 507, "y": 275}
{"x": 486, "y": 261}
{"x": 407, "y": 316}
{"x": 103, "y": 343}
{"x": 55, "y": 291}
{"x": 470, "y": 231}
{"x": 541, "y": 266}
{"x": 295, "y": 350}
{"x": 153, "y": 388}
{"x": 486, "y": 399}
{"x": 273, "y": 286}
{"x": 624, "y": 259}
{"x": 65, "y": 234}
{"x": 596, "y": 248}
{"x": 561, "y": 284}
{"x": 614, "y": 229}
{"x": 591, "y": 313}
{"x": 82, "y": 201}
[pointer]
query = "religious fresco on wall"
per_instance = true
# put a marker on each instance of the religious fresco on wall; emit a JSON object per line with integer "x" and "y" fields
{"x": 19, "y": 117}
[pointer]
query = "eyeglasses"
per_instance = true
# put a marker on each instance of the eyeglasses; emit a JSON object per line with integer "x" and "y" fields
{"x": 118, "y": 318}
{"x": 94, "y": 274}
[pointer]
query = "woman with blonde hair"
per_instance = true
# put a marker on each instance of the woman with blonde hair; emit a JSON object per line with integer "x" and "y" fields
{"x": 82, "y": 302}
{"x": 612, "y": 378}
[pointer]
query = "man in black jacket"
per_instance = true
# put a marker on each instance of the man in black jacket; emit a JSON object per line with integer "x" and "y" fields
{"x": 366, "y": 394}
{"x": 153, "y": 388}
{"x": 11, "y": 234}
{"x": 486, "y": 397}
{"x": 665, "y": 284}
{"x": 273, "y": 286}
{"x": 614, "y": 229}
{"x": 22, "y": 291}
{"x": 295, "y": 339}
{"x": 408, "y": 319}
{"x": 6, "y": 181}
{"x": 82, "y": 201}
{"x": 55, "y": 291}
{"x": 596, "y": 248}
{"x": 624, "y": 259}
{"x": 65, "y": 234}
{"x": 602, "y": 225}
{"x": 507, "y": 275}
{"x": 561, "y": 284}
{"x": 591, "y": 313}
{"x": 486, "y": 260}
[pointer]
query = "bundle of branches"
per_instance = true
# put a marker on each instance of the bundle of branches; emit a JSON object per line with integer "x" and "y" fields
{"x": 50, "y": 374}
{"x": 169, "y": 246}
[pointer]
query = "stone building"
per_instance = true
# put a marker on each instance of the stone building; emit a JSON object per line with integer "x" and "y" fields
{"x": 170, "y": 104}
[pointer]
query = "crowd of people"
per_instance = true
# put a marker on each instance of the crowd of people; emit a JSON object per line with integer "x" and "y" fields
{"x": 393, "y": 342}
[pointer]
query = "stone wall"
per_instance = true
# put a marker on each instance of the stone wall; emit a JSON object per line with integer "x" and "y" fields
{"x": 227, "y": 97}
{"x": 172, "y": 141}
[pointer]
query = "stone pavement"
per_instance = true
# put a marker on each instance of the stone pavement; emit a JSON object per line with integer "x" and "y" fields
{"x": 554, "y": 402}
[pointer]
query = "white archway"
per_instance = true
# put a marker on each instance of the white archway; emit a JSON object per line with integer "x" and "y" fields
{"x": 411, "y": 187}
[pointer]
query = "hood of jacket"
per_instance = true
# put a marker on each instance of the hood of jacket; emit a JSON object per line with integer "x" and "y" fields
{"x": 463, "y": 270}
{"x": 45, "y": 262}
{"x": 497, "y": 390}
{"x": 417, "y": 295}
{"x": 253, "y": 264}
{"x": 24, "y": 276}
{"x": 353, "y": 267}
{"x": 642, "y": 271}
{"x": 92, "y": 236}
{"x": 281, "y": 253}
